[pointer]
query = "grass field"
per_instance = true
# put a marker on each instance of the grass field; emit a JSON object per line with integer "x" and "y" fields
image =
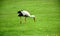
{"x": 47, "y": 18}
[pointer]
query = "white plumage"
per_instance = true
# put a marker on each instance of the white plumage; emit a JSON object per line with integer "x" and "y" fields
{"x": 24, "y": 12}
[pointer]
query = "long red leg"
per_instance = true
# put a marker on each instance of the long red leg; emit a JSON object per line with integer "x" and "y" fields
{"x": 20, "y": 20}
{"x": 25, "y": 19}
{"x": 34, "y": 20}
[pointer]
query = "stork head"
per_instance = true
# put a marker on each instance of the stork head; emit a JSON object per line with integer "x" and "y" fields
{"x": 33, "y": 16}
{"x": 19, "y": 11}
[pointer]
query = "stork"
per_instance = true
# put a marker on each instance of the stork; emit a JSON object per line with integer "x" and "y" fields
{"x": 25, "y": 14}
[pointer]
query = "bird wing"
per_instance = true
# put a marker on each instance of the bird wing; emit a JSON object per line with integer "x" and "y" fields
{"x": 26, "y": 13}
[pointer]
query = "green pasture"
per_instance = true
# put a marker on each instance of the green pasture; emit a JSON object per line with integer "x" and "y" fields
{"x": 47, "y": 18}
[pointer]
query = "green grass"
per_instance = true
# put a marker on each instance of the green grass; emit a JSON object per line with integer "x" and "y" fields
{"x": 47, "y": 18}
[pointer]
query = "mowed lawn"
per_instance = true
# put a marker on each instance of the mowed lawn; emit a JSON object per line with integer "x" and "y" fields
{"x": 47, "y": 18}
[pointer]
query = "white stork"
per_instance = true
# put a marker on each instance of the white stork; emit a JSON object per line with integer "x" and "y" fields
{"x": 25, "y": 14}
